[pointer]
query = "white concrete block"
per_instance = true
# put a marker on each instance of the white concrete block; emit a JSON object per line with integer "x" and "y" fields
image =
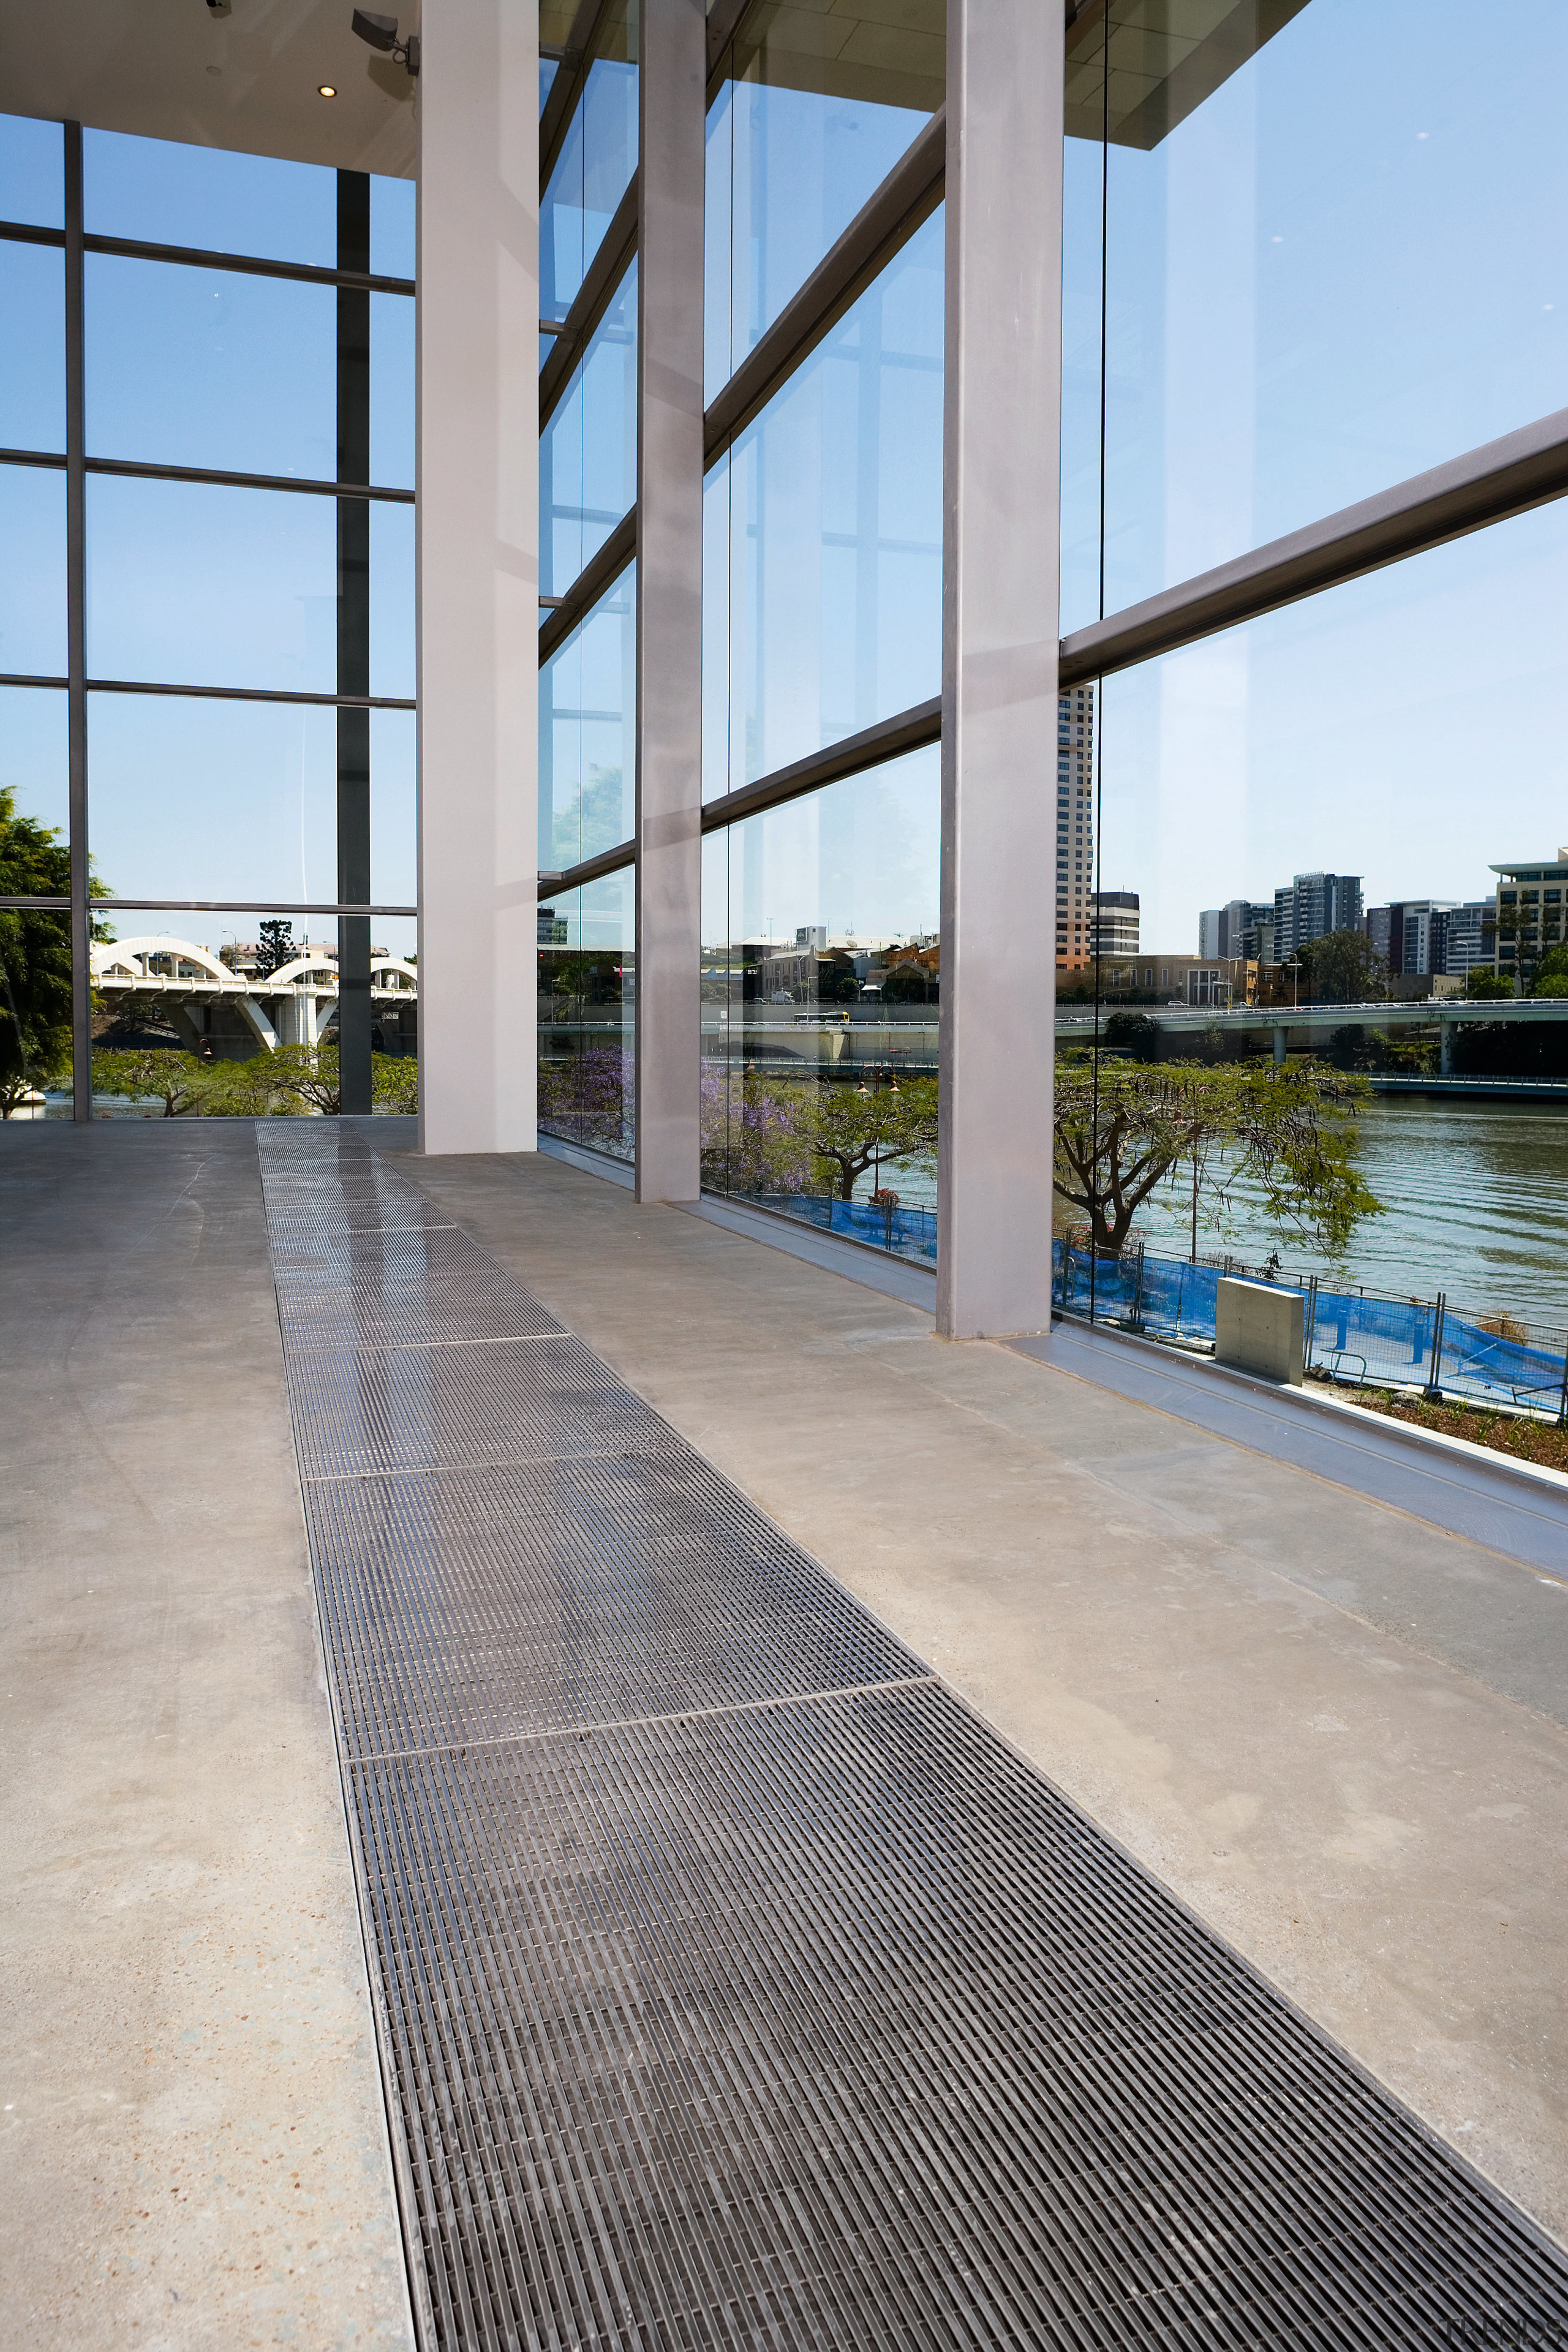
{"x": 1259, "y": 1329}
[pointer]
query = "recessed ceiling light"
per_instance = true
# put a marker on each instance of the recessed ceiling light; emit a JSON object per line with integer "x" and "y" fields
{"x": 326, "y": 89}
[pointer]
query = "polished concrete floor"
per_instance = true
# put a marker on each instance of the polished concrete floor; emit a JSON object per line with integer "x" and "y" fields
{"x": 195, "y": 2142}
{"x": 1334, "y": 1731}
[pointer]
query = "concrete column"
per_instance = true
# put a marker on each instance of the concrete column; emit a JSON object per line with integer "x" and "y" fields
{"x": 1281, "y": 1039}
{"x": 1445, "y": 1048}
{"x": 478, "y": 573}
{"x": 999, "y": 664}
{"x": 669, "y": 597}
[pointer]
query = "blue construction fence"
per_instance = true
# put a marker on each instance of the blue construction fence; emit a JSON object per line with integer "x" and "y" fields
{"x": 1356, "y": 1335}
{"x": 908, "y": 1233}
{"x": 1360, "y": 1336}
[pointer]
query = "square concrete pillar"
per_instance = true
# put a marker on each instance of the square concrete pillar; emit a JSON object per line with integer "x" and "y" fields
{"x": 477, "y": 104}
{"x": 1001, "y": 527}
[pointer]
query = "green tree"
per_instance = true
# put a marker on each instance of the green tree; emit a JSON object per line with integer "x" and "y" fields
{"x": 1124, "y": 1131}
{"x": 275, "y": 946}
{"x": 35, "y": 957}
{"x": 1135, "y": 1034}
{"x": 1482, "y": 981}
{"x": 1341, "y": 968}
{"x": 179, "y": 1081}
{"x": 1552, "y": 973}
{"x": 850, "y": 1127}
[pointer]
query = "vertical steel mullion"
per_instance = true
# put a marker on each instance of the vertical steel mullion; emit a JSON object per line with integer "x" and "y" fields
{"x": 75, "y": 638}
{"x": 354, "y": 1021}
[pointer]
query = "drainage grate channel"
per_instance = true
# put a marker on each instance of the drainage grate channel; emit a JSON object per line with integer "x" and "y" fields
{"x": 737, "y": 1985}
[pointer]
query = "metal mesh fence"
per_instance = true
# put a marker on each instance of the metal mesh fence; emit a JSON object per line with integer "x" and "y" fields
{"x": 1363, "y": 1337}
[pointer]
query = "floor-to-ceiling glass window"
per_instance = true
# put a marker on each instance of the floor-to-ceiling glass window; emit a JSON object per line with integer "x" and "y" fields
{"x": 242, "y": 604}
{"x": 587, "y": 993}
{"x": 1313, "y": 873}
{"x": 822, "y": 605}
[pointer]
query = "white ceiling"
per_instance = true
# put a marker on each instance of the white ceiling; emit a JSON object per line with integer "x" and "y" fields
{"x": 247, "y": 80}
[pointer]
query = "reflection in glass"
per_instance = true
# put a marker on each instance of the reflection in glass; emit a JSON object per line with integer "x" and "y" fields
{"x": 822, "y": 581}
{"x": 162, "y": 192}
{"x": 1331, "y": 264}
{"x": 32, "y": 172}
{"x": 193, "y": 585}
{"x": 587, "y": 452}
{"x": 194, "y": 799}
{"x": 1310, "y": 815}
{"x": 814, "y": 112}
{"x": 595, "y": 162}
{"x": 33, "y": 356}
{"x": 821, "y": 987}
{"x": 587, "y": 1016}
{"x": 34, "y": 729}
{"x": 188, "y": 367}
{"x": 33, "y": 575}
{"x": 392, "y": 323}
{"x": 586, "y": 698}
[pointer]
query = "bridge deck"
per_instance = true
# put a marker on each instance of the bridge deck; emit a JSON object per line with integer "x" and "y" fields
{"x": 737, "y": 1985}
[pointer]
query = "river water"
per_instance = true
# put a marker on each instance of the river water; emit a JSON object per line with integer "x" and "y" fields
{"x": 1476, "y": 1205}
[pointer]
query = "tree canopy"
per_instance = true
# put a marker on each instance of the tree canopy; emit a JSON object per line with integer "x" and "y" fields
{"x": 35, "y": 957}
{"x": 1341, "y": 968}
{"x": 1284, "y": 1134}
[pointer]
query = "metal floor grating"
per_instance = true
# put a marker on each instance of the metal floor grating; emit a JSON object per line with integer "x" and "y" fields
{"x": 737, "y": 1986}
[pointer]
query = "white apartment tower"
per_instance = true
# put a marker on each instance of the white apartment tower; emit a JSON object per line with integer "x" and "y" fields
{"x": 1075, "y": 825}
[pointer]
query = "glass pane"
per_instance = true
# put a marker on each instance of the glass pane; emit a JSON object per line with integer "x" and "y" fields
{"x": 822, "y": 584}
{"x": 392, "y": 322}
{"x": 35, "y": 730}
{"x": 213, "y": 198}
{"x": 32, "y": 172}
{"x": 587, "y": 1017}
{"x": 197, "y": 586}
{"x": 394, "y": 829}
{"x": 394, "y": 210}
{"x": 598, "y": 158}
{"x": 203, "y": 367}
{"x": 1353, "y": 911}
{"x": 1331, "y": 264}
{"x": 587, "y": 693}
{"x": 814, "y": 111}
{"x": 821, "y": 981}
{"x": 192, "y": 799}
{"x": 33, "y": 353}
{"x": 179, "y": 991}
{"x": 548, "y": 70}
{"x": 33, "y": 575}
{"x": 588, "y": 451}
{"x": 392, "y": 602}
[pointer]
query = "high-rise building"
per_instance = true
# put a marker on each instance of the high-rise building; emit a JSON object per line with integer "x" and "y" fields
{"x": 1075, "y": 825}
{"x": 1411, "y": 935}
{"x": 1311, "y": 905}
{"x": 1471, "y": 935}
{"x": 1242, "y": 927}
{"x": 1529, "y": 914}
{"x": 1113, "y": 922}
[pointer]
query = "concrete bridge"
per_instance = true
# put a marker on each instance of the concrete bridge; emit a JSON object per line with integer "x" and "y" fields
{"x": 291, "y": 1006}
{"x": 1306, "y": 1025}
